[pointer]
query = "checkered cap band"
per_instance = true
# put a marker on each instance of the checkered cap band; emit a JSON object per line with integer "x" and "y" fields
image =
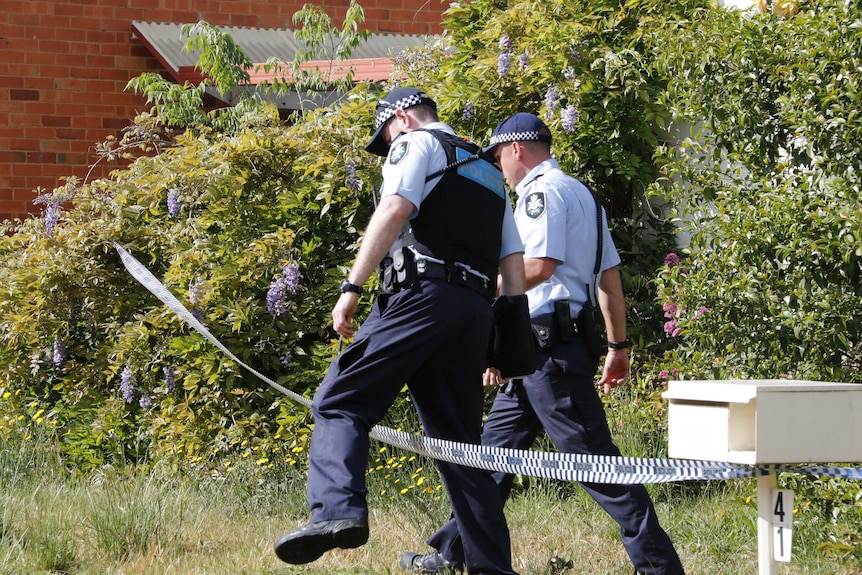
{"x": 386, "y": 110}
{"x": 518, "y": 137}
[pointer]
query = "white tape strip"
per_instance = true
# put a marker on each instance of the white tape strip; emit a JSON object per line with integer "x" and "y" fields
{"x": 565, "y": 466}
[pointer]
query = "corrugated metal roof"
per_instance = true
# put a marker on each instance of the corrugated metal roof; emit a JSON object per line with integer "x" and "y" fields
{"x": 166, "y": 42}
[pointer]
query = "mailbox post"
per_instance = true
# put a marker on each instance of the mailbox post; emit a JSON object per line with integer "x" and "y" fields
{"x": 761, "y": 422}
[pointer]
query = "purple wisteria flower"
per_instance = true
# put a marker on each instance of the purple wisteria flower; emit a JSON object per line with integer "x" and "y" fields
{"x": 287, "y": 281}
{"x": 569, "y": 118}
{"x": 58, "y": 357}
{"x": 52, "y": 217}
{"x": 285, "y": 359}
{"x": 196, "y": 296}
{"x": 145, "y": 401}
{"x": 524, "y": 59}
{"x": 504, "y": 63}
{"x": 127, "y": 384}
{"x": 352, "y": 181}
{"x": 504, "y": 58}
{"x": 552, "y": 101}
{"x": 575, "y": 53}
{"x": 467, "y": 115}
{"x": 196, "y": 291}
{"x": 174, "y": 204}
{"x": 170, "y": 378}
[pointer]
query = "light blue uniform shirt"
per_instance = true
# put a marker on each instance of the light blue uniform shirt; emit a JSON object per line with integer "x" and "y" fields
{"x": 556, "y": 216}
{"x": 416, "y": 154}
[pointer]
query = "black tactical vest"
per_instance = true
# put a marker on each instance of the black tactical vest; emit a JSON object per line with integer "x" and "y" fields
{"x": 461, "y": 219}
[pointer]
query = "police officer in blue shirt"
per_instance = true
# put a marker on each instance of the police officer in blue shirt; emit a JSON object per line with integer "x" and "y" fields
{"x": 443, "y": 229}
{"x": 559, "y": 221}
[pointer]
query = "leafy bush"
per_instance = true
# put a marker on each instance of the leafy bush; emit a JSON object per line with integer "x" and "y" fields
{"x": 766, "y": 187}
{"x": 220, "y": 218}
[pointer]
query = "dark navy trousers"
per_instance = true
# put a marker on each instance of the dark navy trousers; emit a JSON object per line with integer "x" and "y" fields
{"x": 561, "y": 398}
{"x": 433, "y": 338}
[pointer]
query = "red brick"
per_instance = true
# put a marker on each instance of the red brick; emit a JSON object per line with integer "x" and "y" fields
{"x": 28, "y": 95}
{"x": 10, "y": 209}
{"x": 98, "y": 61}
{"x": 56, "y": 22}
{"x": 9, "y": 133}
{"x": 68, "y": 134}
{"x": 54, "y": 46}
{"x": 38, "y": 133}
{"x": 68, "y": 85}
{"x": 84, "y": 72}
{"x": 98, "y": 87}
{"x": 39, "y": 108}
{"x": 23, "y": 18}
{"x": 56, "y": 121}
{"x": 39, "y": 58}
{"x": 24, "y": 143}
{"x": 58, "y": 147}
{"x": 43, "y": 85}
{"x": 11, "y": 82}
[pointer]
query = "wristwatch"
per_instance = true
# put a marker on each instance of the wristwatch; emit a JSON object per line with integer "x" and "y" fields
{"x": 624, "y": 344}
{"x": 346, "y": 286}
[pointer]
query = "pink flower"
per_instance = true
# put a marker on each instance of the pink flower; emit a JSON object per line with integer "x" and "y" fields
{"x": 671, "y": 260}
{"x": 663, "y": 374}
{"x": 669, "y": 308}
{"x": 671, "y": 328}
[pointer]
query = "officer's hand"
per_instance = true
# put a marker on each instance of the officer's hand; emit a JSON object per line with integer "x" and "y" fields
{"x": 491, "y": 377}
{"x": 617, "y": 368}
{"x": 342, "y": 314}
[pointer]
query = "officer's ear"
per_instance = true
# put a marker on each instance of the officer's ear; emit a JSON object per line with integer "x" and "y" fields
{"x": 403, "y": 117}
{"x": 518, "y": 150}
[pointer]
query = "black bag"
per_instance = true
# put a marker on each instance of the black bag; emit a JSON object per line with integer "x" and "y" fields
{"x": 512, "y": 350}
{"x": 544, "y": 330}
{"x": 591, "y": 326}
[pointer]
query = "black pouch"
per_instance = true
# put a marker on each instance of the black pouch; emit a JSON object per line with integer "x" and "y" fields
{"x": 387, "y": 275}
{"x": 591, "y": 326}
{"x": 512, "y": 350}
{"x": 544, "y": 330}
{"x": 404, "y": 265}
{"x": 566, "y": 329}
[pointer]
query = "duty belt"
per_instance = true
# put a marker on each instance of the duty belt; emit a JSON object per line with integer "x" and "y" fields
{"x": 456, "y": 274}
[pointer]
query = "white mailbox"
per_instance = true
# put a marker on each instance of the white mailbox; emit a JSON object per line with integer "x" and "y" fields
{"x": 764, "y": 421}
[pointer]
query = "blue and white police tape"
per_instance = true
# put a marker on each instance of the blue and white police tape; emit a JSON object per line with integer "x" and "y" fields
{"x": 565, "y": 466}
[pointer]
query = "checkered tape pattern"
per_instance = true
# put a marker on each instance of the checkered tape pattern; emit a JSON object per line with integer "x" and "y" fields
{"x": 517, "y": 137}
{"x": 563, "y": 466}
{"x": 386, "y": 110}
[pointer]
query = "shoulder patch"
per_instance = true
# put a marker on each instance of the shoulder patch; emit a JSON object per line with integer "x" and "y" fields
{"x": 535, "y": 205}
{"x": 398, "y": 151}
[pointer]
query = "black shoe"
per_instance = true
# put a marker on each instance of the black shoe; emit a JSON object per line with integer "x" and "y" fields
{"x": 428, "y": 563}
{"x": 305, "y": 544}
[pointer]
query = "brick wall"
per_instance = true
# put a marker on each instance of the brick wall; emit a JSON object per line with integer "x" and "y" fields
{"x": 64, "y": 65}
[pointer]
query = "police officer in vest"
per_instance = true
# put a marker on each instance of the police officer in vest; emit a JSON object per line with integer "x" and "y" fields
{"x": 443, "y": 229}
{"x": 565, "y": 236}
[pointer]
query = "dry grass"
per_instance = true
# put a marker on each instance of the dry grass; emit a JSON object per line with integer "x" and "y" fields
{"x": 201, "y": 526}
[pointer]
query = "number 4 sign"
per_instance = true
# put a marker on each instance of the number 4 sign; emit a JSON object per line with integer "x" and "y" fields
{"x": 782, "y": 523}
